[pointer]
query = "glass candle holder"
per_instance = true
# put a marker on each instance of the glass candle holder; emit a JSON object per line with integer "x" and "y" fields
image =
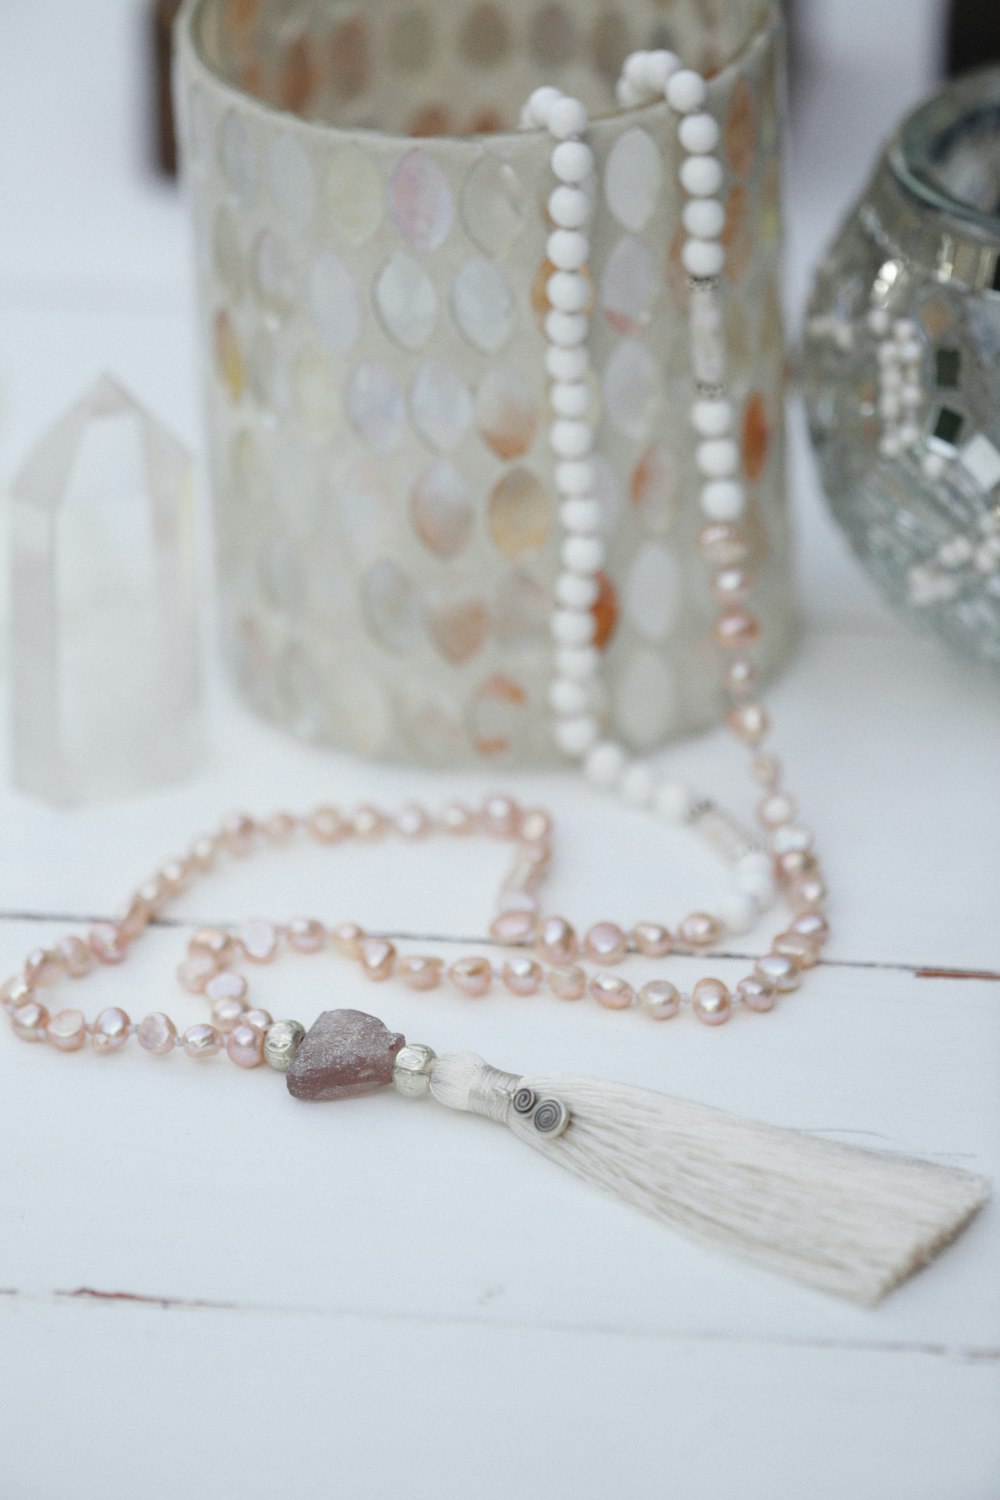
{"x": 371, "y": 230}
{"x": 902, "y": 369}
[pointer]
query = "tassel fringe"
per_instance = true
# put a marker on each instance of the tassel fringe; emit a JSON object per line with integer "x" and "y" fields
{"x": 842, "y": 1219}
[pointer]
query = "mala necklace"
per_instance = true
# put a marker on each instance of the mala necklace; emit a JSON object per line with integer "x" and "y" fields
{"x": 843, "y": 1220}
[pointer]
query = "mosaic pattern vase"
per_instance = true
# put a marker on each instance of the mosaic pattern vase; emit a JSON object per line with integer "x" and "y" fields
{"x": 370, "y": 230}
{"x": 902, "y": 369}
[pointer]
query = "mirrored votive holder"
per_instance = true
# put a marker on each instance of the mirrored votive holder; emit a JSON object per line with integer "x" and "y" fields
{"x": 902, "y": 369}
{"x": 103, "y": 639}
{"x": 370, "y": 231}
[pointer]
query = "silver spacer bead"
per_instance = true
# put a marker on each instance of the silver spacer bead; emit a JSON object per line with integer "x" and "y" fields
{"x": 411, "y": 1072}
{"x": 281, "y": 1044}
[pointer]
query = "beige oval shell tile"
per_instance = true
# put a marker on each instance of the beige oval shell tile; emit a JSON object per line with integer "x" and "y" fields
{"x": 440, "y": 405}
{"x": 334, "y": 304}
{"x": 291, "y": 183}
{"x": 482, "y": 305}
{"x": 229, "y": 360}
{"x": 407, "y": 301}
{"x": 458, "y": 628}
{"x": 227, "y": 255}
{"x": 268, "y": 377}
{"x": 632, "y": 178}
{"x": 315, "y": 389}
{"x": 391, "y": 607}
{"x": 431, "y": 720}
{"x": 519, "y": 514}
{"x": 410, "y": 42}
{"x": 420, "y": 201}
{"x": 484, "y": 37}
{"x": 360, "y": 707}
{"x": 522, "y": 611}
{"x": 364, "y": 506}
{"x": 353, "y": 198}
{"x": 496, "y": 715}
{"x": 493, "y": 205}
{"x": 645, "y": 699}
{"x": 655, "y": 488}
{"x": 552, "y": 36}
{"x": 507, "y": 412}
{"x": 609, "y": 493}
{"x": 629, "y": 284}
{"x": 272, "y": 274}
{"x": 441, "y": 509}
{"x": 375, "y": 406}
{"x": 653, "y": 592}
{"x": 740, "y": 129}
{"x": 632, "y": 388}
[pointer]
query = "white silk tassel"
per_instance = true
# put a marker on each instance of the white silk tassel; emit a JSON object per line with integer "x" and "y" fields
{"x": 842, "y": 1219}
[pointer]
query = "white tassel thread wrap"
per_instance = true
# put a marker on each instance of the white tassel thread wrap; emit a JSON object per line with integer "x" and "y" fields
{"x": 841, "y": 1219}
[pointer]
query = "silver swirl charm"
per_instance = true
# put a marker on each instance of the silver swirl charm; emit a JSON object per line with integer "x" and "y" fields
{"x": 550, "y": 1117}
{"x": 524, "y": 1101}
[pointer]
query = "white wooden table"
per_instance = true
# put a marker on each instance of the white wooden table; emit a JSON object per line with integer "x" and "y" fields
{"x": 208, "y": 1290}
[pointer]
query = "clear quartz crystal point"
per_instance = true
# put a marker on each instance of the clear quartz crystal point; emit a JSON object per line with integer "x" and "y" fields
{"x": 103, "y": 623}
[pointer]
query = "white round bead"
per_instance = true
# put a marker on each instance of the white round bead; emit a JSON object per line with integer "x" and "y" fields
{"x": 578, "y": 662}
{"x": 568, "y": 291}
{"x": 567, "y": 696}
{"x": 568, "y": 249}
{"x": 571, "y": 439}
{"x": 575, "y": 476}
{"x": 718, "y": 458}
{"x": 723, "y": 499}
{"x": 713, "y": 418}
{"x": 703, "y": 258}
{"x": 605, "y": 764}
{"x": 566, "y": 330}
{"x": 686, "y": 91}
{"x": 739, "y": 911}
{"x": 582, "y": 554}
{"x": 570, "y": 398}
{"x": 581, "y": 516}
{"x": 575, "y": 590}
{"x": 634, "y": 71}
{"x": 638, "y": 784}
{"x": 567, "y": 364}
{"x": 704, "y": 218}
{"x": 570, "y": 207}
{"x": 575, "y": 736}
{"x": 698, "y": 134}
{"x": 540, "y": 103}
{"x": 659, "y": 67}
{"x": 672, "y": 801}
{"x": 572, "y": 627}
{"x": 627, "y": 95}
{"x": 701, "y": 176}
{"x": 567, "y": 117}
{"x": 572, "y": 161}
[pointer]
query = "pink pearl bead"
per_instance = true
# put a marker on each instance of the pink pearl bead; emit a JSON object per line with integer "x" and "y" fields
{"x": 611, "y": 991}
{"x": 779, "y": 970}
{"x": 279, "y": 827}
{"x": 740, "y": 677}
{"x": 201, "y": 1041}
{"x": 699, "y": 930}
{"x": 711, "y": 1002}
{"x": 203, "y": 852}
{"x": 136, "y": 917}
{"x": 15, "y": 991}
{"x": 175, "y": 875}
{"x": 652, "y": 939}
{"x": 731, "y": 585}
{"x": 777, "y": 809}
{"x": 412, "y": 823}
{"x": 605, "y": 943}
{"x": 500, "y": 816}
{"x": 420, "y": 973}
{"x": 107, "y": 943}
{"x": 258, "y": 1017}
{"x": 43, "y": 966}
{"x": 557, "y": 941}
{"x": 748, "y": 723}
{"x": 347, "y": 939}
{"x": 812, "y": 925}
{"x": 245, "y": 1045}
{"x": 368, "y": 823}
{"x": 226, "y": 986}
{"x": 660, "y": 999}
{"x": 306, "y": 935}
{"x": 807, "y": 894}
{"x": 110, "y": 1031}
{"x": 515, "y": 928}
{"x": 213, "y": 942}
{"x": 458, "y": 820}
{"x": 195, "y": 972}
{"x": 756, "y": 993}
{"x": 76, "y": 956}
{"x": 327, "y": 826}
{"x": 238, "y": 833}
{"x": 228, "y": 1012}
{"x": 568, "y": 983}
{"x": 378, "y": 958}
{"x": 516, "y": 898}
{"x": 522, "y": 976}
{"x": 156, "y": 1033}
{"x": 67, "y": 1030}
{"x": 723, "y": 544}
{"x": 472, "y": 975}
{"x": 795, "y": 945}
{"x": 766, "y": 769}
{"x": 29, "y": 1020}
{"x": 536, "y": 826}
{"x": 259, "y": 940}
{"x": 736, "y": 629}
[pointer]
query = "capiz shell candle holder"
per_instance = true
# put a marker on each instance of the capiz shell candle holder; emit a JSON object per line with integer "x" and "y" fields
{"x": 371, "y": 237}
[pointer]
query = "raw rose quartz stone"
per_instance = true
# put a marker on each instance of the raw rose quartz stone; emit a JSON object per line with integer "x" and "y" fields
{"x": 345, "y": 1053}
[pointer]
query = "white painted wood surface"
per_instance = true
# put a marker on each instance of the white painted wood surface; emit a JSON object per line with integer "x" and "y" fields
{"x": 208, "y": 1289}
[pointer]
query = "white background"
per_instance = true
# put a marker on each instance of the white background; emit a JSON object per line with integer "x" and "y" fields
{"x": 207, "y": 1290}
